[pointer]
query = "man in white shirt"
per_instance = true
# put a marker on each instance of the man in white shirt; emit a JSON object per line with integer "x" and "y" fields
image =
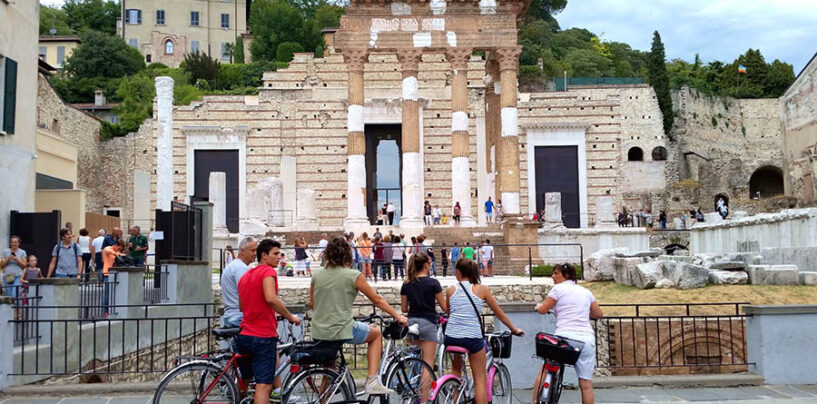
{"x": 96, "y": 250}
{"x": 436, "y": 213}
{"x": 390, "y": 212}
{"x": 229, "y": 281}
{"x": 487, "y": 257}
{"x": 322, "y": 247}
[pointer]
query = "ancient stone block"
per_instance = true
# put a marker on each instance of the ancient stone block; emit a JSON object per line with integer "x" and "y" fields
{"x": 648, "y": 274}
{"x": 808, "y": 278}
{"x": 688, "y": 276}
{"x": 781, "y": 275}
{"x": 757, "y": 273}
{"x": 599, "y": 265}
{"x": 728, "y": 277}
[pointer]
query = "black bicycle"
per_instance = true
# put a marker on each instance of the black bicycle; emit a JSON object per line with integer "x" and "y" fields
{"x": 556, "y": 352}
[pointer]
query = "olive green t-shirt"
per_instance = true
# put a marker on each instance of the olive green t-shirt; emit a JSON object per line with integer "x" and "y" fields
{"x": 335, "y": 294}
{"x": 137, "y": 241}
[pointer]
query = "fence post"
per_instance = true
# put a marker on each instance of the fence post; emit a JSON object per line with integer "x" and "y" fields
{"x": 60, "y": 297}
{"x": 6, "y": 340}
{"x": 206, "y": 231}
{"x": 130, "y": 290}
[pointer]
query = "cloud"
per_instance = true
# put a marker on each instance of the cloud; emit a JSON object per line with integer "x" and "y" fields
{"x": 716, "y": 29}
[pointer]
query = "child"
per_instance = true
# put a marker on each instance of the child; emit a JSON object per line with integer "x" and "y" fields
{"x": 31, "y": 272}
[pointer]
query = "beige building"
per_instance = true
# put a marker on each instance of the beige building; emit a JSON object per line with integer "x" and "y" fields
{"x": 799, "y": 110}
{"x": 165, "y": 31}
{"x": 18, "y": 69}
{"x": 55, "y": 49}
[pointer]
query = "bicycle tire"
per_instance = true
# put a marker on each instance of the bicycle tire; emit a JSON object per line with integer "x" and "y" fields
{"x": 197, "y": 373}
{"x": 502, "y": 389}
{"x": 303, "y": 387}
{"x": 449, "y": 392}
{"x": 406, "y": 379}
{"x": 556, "y": 386}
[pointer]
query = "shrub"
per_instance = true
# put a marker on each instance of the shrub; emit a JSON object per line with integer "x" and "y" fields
{"x": 157, "y": 65}
{"x": 547, "y": 270}
{"x": 286, "y": 50}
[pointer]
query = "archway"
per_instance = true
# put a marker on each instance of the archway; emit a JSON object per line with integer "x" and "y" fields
{"x": 720, "y": 196}
{"x": 169, "y": 46}
{"x": 672, "y": 248}
{"x": 659, "y": 153}
{"x": 635, "y": 154}
{"x": 766, "y": 182}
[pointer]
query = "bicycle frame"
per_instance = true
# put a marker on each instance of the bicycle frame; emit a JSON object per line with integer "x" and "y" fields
{"x": 466, "y": 382}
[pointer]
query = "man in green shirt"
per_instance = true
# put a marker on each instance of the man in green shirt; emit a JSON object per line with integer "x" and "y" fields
{"x": 137, "y": 246}
{"x": 468, "y": 251}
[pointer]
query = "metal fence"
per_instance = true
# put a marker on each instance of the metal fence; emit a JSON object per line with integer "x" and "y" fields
{"x": 155, "y": 284}
{"x": 661, "y": 338}
{"x": 96, "y": 294}
{"x": 181, "y": 230}
{"x": 25, "y": 305}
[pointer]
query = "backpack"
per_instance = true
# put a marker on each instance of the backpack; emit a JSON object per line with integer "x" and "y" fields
{"x": 76, "y": 252}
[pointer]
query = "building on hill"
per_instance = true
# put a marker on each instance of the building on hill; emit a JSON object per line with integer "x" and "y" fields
{"x": 55, "y": 49}
{"x": 799, "y": 109}
{"x": 164, "y": 31}
{"x": 18, "y": 69}
{"x": 100, "y": 108}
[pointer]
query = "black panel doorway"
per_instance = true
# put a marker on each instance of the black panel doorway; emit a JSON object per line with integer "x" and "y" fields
{"x": 383, "y": 169}
{"x": 207, "y": 161}
{"x": 557, "y": 170}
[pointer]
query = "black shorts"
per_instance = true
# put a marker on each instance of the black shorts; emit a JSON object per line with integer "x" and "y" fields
{"x": 473, "y": 345}
{"x": 262, "y": 357}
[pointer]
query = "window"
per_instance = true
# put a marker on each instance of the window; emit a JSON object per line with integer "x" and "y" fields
{"x": 160, "y": 17}
{"x": 194, "y": 18}
{"x": 113, "y": 119}
{"x": 659, "y": 153}
{"x": 148, "y": 58}
{"x": 43, "y": 52}
{"x": 224, "y": 53}
{"x": 133, "y": 16}
{"x": 60, "y": 55}
{"x": 133, "y": 42}
{"x": 225, "y": 21}
{"x": 194, "y": 46}
{"x": 635, "y": 154}
{"x": 8, "y": 101}
{"x": 168, "y": 47}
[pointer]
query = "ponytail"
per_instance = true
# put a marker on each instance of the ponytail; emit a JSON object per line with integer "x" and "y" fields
{"x": 416, "y": 264}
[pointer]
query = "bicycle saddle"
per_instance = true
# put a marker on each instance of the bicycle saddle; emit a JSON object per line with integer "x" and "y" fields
{"x": 224, "y": 333}
{"x": 456, "y": 349}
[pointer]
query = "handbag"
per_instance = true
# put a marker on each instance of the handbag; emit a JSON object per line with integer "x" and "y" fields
{"x": 479, "y": 315}
{"x": 9, "y": 278}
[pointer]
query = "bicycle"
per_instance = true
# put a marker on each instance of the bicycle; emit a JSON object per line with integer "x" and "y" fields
{"x": 556, "y": 352}
{"x": 455, "y": 390}
{"x": 215, "y": 376}
{"x": 321, "y": 375}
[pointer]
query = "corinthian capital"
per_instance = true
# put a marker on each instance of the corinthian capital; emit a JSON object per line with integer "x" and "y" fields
{"x": 508, "y": 57}
{"x": 410, "y": 61}
{"x": 458, "y": 57}
{"x": 356, "y": 58}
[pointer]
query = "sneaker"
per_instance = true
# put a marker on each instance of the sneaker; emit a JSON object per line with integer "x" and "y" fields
{"x": 374, "y": 387}
{"x": 275, "y": 396}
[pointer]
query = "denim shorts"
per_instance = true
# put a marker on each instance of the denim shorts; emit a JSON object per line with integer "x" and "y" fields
{"x": 359, "y": 333}
{"x": 365, "y": 260}
{"x": 261, "y": 360}
{"x": 473, "y": 345}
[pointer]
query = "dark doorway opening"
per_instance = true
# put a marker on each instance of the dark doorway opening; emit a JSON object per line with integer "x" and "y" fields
{"x": 207, "y": 161}
{"x": 557, "y": 170}
{"x": 766, "y": 182}
{"x": 383, "y": 169}
{"x": 635, "y": 154}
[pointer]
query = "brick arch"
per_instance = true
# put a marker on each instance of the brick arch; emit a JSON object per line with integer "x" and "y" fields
{"x": 684, "y": 339}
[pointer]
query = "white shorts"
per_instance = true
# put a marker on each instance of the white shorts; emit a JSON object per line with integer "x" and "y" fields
{"x": 587, "y": 360}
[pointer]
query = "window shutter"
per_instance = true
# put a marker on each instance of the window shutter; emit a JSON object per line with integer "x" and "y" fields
{"x": 139, "y": 16}
{"x": 127, "y": 16}
{"x": 10, "y": 96}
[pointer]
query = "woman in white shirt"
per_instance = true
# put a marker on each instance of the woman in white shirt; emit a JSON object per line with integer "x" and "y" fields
{"x": 84, "y": 242}
{"x": 574, "y": 306}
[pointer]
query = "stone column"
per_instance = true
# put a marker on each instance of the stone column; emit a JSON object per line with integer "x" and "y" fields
{"x": 460, "y": 145}
{"x": 412, "y": 213}
{"x": 356, "y": 142}
{"x": 508, "y": 59}
{"x": 605, "y": 218}
{"x": 218, "y": 196}
{"x": 493, "y": 122}
{"x": 307, "y": 218}
{"x": 164, "y": 142}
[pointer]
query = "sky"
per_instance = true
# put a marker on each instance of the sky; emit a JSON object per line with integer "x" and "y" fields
{"x": 716, "y": 29}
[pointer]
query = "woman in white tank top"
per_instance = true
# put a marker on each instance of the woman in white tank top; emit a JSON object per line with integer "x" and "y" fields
{"x": 464, "y": 328}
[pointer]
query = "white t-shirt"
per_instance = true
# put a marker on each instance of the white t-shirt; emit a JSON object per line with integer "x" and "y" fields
{"x": 97, "y": 243}
{"x": 390, "y": 208}
{"x": 436, "y": 212}
{"x": 572, "y": 307}
{"x": 84, "y": 244}
{"x": 486, "y": 252}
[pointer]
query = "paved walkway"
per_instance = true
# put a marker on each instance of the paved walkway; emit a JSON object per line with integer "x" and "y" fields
{"x": 744, "y": 395}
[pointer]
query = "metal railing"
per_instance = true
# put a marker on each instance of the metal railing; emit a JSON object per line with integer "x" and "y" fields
{"x": 26, "y": 308}
{"x": 96, "y": 294}
{"x": 155, "y": 284}
{"x": 703, "y": 337}
{"x": 182, "y": 231}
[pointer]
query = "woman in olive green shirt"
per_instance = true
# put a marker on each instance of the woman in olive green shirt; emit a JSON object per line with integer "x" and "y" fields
{"x": 332, "y": 295}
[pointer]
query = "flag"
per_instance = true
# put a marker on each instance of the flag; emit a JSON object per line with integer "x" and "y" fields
{"x": 741, "y": 69}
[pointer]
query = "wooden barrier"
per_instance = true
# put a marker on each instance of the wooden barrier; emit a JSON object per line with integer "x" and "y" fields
{"x": 94, "y": 222}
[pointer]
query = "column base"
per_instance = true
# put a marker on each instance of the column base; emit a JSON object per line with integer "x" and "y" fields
{"x": 468, "y": 221}
{"x": 411, "y": 223}
{"x": 356, "y": 224}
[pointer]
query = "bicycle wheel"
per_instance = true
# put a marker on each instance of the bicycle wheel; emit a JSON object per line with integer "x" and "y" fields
{"x": 556, "y": 386}
{"x": 196, "y": 382}
{"x": 449, "y": 392}
{"x": 316, "y": 386}
{"x": 411, "y": 379}
{"x": 502, "y": 390}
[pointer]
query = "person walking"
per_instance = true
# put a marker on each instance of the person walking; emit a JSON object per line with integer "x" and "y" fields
{"x": 96, "y": 249}
{"x": 457, "y": 212}
{"x": 13, "y": 262}
{"x": 489, "y": 209}
{"x": 230, "y": 277}
{"x": 465, "y": 328}
{"x": 84, "y": 242}
{"x": 574, "y": 307}
{"x": 137, "y": 246}
{"x": 390, "y": 209}
{"x": 498, "y": 211}
{"x": 66, "y": 261}
{"x": 418, "y": 296}
{"x": 398, "y": 252}
{"x": 332, "y": 295}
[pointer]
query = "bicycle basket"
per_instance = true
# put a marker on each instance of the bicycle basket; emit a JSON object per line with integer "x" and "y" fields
{"x": 500, "y": 345}
{"x": 559, "y": 349}
{"x": 310, "y": 353}
{"x": 395, "y": 331}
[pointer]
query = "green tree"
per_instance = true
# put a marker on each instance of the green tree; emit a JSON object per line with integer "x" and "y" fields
{"x": 545, "y": 10}
{"x": 103, "y": 55}
{"x": 778, "y": 78}
{"x": 238, "y": 50}
{"x": 327, "y": 15}
{"x": 201, "y": 66}
{"x": 53, "y": 17}
{"x": 96, "y": 15}
{"x": 568, "y": 40}
{"x": 587, "y": 63}
{"x": 659, "y": 79}
{"x": 286, "y": 50}
{"x": 273, "y": 22}
{"x": 136, "y": 94}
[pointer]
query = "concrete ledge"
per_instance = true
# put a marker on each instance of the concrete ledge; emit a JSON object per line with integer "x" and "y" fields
{"x": 127, "y": 269}
{"x": 781, "y": 309}
{"x": 55, "y": 281}
{"x": 679, "y": 381}
{"x": 518, "y": 307}
{"x": 183, "y": 262}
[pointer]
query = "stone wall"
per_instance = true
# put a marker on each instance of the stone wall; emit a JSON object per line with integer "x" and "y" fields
{"x": 122, "y": 156}
{"x": 80, "y": 129}
{"x": 799, "y": 112}
{"x": 788, "y": 228}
